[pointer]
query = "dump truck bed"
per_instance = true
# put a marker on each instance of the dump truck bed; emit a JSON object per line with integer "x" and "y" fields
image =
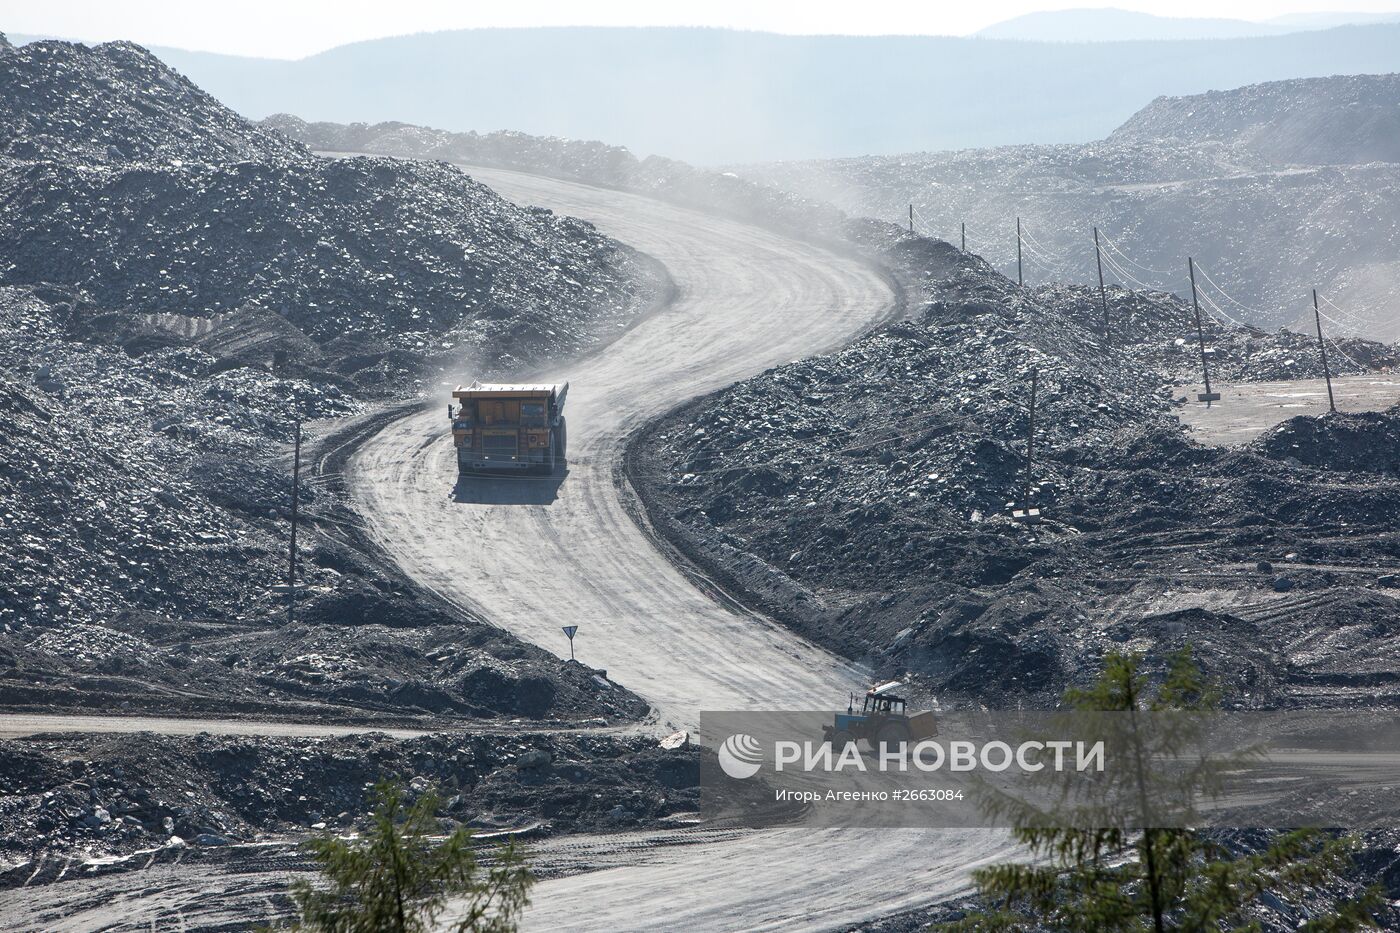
{"x": 554, "y": 391}
{"x": 503, "y": 426}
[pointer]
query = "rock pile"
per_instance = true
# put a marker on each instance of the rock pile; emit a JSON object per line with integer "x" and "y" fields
{"x": 95, "y": 498}
{"x": 415, "y": 256}
{"x": 592, "y": 162}
{"x": 1367, "y": 442}
{"x": 177, "y": 288}
{"x": 864, "y": 497}
{"x": 1337, "y": 120}
{"x": 117, "y": 794}
{"x": 143, "y": 516}
{"x": 115, "y": 103}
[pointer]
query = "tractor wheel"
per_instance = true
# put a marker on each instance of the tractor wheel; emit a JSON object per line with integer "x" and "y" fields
{"x": 890, "y": 735}
{"x": 840, "y": 739}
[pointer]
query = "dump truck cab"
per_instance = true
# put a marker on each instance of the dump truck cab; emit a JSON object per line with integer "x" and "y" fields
{"x": 508, "y": 427}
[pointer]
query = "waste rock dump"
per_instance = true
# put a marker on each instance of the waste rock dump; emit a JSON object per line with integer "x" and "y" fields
{"x": 864, "y": 497}
{"x": 179, "y": 287}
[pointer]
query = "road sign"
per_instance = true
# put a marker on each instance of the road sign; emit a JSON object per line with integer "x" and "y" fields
{"x": 569, "y": 631}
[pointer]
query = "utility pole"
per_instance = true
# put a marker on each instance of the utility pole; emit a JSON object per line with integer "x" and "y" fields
{"x": 1103, "y": 296}
{"x": 911, "y": 217}
{"x": 1321, "y": 345}
{"x": 964, "y": 236}
{"x": 1207, "y": 396}
{"x": 1028, "y": 514}
{"x": 1030, "y": 441}
{"x": 1020, "y": 281}
{"x": 292, "y": 551}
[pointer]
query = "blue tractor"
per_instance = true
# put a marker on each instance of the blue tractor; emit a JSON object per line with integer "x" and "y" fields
{"x": 883, "y": 720}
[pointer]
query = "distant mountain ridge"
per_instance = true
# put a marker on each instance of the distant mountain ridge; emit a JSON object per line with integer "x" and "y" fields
{"x": 1274, "y": 189}
{"x": 712, "y": 96}
{"x": 1114, "y": 25}
{"x": 1110, "y": 25}
{"x": 1342, "y": 120}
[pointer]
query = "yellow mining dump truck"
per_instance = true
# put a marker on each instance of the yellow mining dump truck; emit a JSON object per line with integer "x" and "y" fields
{"x": 501, "y": 426}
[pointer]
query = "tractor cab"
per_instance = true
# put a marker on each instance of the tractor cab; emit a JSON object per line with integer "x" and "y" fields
{"x": 882, "y": 719}
{"x": 881, "y": 701}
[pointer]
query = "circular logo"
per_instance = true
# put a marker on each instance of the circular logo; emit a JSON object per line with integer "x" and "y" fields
{"x": 740, "y": 756}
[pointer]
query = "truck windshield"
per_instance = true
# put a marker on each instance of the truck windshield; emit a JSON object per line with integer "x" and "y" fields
{"x": 532, "y": 413}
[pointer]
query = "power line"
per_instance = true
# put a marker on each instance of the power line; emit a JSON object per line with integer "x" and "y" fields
{"x": 1223, "y": 315}
{"x": 1056, "y": 269}
{"x": 1045, "y": 255}
{"x": 1035, "y": 241}
{"x": 1048, "y": 261}
{"x": 1119, "y": 250}
{"x": 1124, "y": 276}
{"x": 1238, "y": 304}
{"x": 1335, "y": 346}
{"x": 919, "y": 215}
{"x": 1117, "y": 258}
{"x": 1054, "y": 262}
{"x": 1356, "y": 320}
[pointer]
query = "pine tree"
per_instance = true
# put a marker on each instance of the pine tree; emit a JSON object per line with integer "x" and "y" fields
{"x": 396, "y": 879}
{"x": 1092, "y": 873}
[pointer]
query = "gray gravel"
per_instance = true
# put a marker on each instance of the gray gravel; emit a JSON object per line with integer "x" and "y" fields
{"x": 179, "y": 287}
{"x": 864, "y": 498}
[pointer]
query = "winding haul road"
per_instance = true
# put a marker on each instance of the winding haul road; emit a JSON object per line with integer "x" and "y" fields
{"x": 534, "y": 555}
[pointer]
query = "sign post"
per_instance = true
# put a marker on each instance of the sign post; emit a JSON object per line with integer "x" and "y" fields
{"x": 569, "y": 631}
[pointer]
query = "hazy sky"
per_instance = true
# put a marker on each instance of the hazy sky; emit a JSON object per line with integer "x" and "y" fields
{"x": 294, "y": 28}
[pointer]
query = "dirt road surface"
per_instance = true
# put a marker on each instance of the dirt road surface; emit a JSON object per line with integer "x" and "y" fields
{"x": 535, "y": 554}
{"x": 1249, "y": 409}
